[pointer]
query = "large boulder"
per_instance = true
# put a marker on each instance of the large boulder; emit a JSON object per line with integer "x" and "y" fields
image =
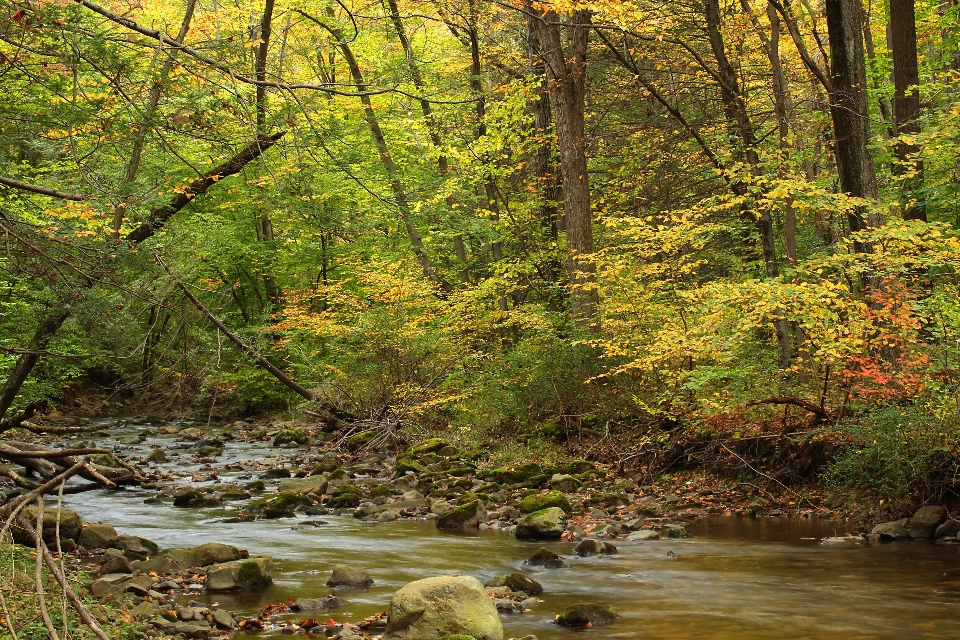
{"x": 204, "y": 555}
{"x": 316, "y": 485}
{"x": 891, "y": 530}
{"x": 134, "y": 547}
{"x": 251, "y": 573}
{"x": 545, "y": 500}
{"x": 463, "y": 517}
{"x": 925, "y": 521}
{"x": 565, "y": 482}
{"x": 70, "y": 525}
{"x": 434, "y": 607}
{"x": 950, "y": 528}
{"x": 346, "y": 576}
{"x": 543, "y": 525}
{"x": 96, "y": 536}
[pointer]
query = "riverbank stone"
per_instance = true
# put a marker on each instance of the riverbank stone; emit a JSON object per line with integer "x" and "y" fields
{"x": 545, "y": 500}
{"x": 431, "y": 608}
{"x": 517, "y": 582}
{"x": 463, "y": 517}
{"x": 96, "y": 536}
{"x": 894, "y": 530}
{"x": 347, "y": 576}
{"x": 70, "y": 525}
{"x": 250, "y": 573}
{"x": 925, "y": 521}
{"x": 948, "y": 529}
{"x": 564, "y": 482}
{"x": 204, "y": 555}
{"x": 586, "y": 614}
{"x": 643, "y": 535}
{"x": 542, "y": 525}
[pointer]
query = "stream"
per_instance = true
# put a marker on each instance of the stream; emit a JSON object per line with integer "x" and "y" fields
{"x": 743, "y": 578}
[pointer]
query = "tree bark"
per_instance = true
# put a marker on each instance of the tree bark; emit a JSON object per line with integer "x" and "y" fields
{"x": 849, "y": 111}
{"x": 566, "y": 79}
{"x": 906, "y": 103}
{"x": 543, "y": 157}
{"x": 25, "y": 363}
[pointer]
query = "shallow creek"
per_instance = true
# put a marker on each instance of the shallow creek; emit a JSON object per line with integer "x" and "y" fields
{"x": 738, "y": 578}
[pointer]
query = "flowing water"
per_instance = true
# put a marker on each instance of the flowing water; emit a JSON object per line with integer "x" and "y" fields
{"x": 738, "y": 578}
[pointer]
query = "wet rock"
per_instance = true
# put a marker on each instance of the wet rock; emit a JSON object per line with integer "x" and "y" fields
{"x": 115, "y": 564}
{"x": 204, "y": 555}
{"x": 197, "y": 629}
{"x": 275, "y": 473}
{"x": 594, "y": 548}
{"x": 288, "y": 436}
{"x": 388, "y": 516}
{"x": 431, "y": 608}
{"x": 205, "y": 501}
{"x": 440, "y": 507}
{"x": 891, "y": 530}
{"x": 251, "y": 573}
{"x": 948, "y": 529}
{"x": 233, "y": 494}
{"x": 324, "y": 466}
{"x": 96, "y": 536}
{"x": 183, "y": 497}
{"x": 564, "y": 482}
{"x": 542, "y": 525}
{"x": 135, "y": 546}
{"x": 157, "y": 455}
{"x": 842, "y": 541}
{"x": 360, "y": 440}
{"x": 545, "y": 558}
{"x": 676, "y": 531}
{"x": 346, "y": 496}
{"x": 224, "y": 620}
{"x": 517, "y": 582}
{"x": 208, "y": 452}
{"x": 316, "y": 604}
{"x": 70, "y": 525}
{"x": 586, "y": 614}
{"x": 643, "y": 535}
{"x": 347, "y": 576}
{"x": 925, "y": 521}
{"x": 545, "y": 500}
{"x": 506, "y": 605}
{"x": 463, "y": 517}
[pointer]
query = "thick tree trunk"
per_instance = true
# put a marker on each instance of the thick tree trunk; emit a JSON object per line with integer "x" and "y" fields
{"x": 848, "y": 108}
{"x": 25, "y": 363}
{"x": 566, "y": 78}
{"x": 906, "y": 102}
{"x": 547, "y": 186}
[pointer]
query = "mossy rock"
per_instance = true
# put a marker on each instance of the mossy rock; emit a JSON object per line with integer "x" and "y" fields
{"x": 287, "y": 436}
{"x": 545, "y": 500}
{"x": 465, "y": 516}
{"x": 360, "y": 440}
{"x": 575, "y": 467}
{"x": 456, "y": 636}
{"x": 546, "y": 558}
{"x": 346, "y": 496}
{"x": 404, "y": 465}
{"x": 381, "y": 491}
{"x": 289, "y": 500}
{"x": 470, "y": 497}
{"x": 586, "y": 614}
{"x": 460, "y": 471}
{"x": 540, "y": 480}
{"x": 433, "y": 445}
{"x": 337, "y": 474}
{"x": 609, "y": 500}
{"x": 517, "y": 582}
{"x": 462, "y": 483}
{"x": 489, "y": 487}
{"x": 325, "y": 466}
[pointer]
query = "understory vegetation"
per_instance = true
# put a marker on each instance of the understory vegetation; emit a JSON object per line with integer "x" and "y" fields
{"x": 664, "y": 235}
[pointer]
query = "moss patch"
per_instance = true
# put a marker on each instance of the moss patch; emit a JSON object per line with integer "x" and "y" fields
{"x": 545, "y": 500}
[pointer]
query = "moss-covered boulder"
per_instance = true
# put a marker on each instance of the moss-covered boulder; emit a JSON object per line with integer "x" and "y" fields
{"x": 456, "y": 636}
{"x": 586, "y": 614}
{"x": 470, "y": 497}
{"x": 204, "y": 555}
{"x": 463, "y": 517}
{"x": 381, "y": 491}
{"x": 251, "y": 573}
{"x": 545, "y": 500}
{"x": 575, "y": 467}
{"x": 433, "y": 445}
{"x": 517, "y": 582}
{"x": 316, "y": 485}
{"x": 432, "y": 608}
{"x": 288, "y": 436}
{"x": 70, "y": 525}
{"x": 608, "y": 500}
{"x": 95, "y": 536}
{"x": 547, "y": 524}
{"x": 405, "y": 465}
{"x": 360, "y": 440}
{"x": 324, "y": 466}
{"x": 346, "y": 496}
{"x": 565, "y": 482}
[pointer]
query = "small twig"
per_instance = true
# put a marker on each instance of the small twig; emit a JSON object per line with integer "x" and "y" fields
{"x": 38, "y": 573}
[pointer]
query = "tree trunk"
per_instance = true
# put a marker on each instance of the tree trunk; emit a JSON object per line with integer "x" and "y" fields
{"x": 543, "y": 158}
{"x": 25, "y": 363}
{"x": 566, "y": 79}
{"x": 848, "y": 108}
{"x": 906, "y": 103}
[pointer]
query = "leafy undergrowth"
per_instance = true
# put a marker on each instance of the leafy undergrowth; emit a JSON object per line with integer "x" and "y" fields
{"x": 21, "y": 616}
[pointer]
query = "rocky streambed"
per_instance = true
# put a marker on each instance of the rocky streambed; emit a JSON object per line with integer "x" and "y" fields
{"x": 670, "y": 562}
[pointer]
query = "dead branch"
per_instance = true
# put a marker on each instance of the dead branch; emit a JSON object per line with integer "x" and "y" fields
{"x": 27, "y": 413}
{"x": 820, "y": 412}
{"x": 53, "y": 193}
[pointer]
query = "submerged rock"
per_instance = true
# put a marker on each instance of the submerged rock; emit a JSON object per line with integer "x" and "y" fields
{"x": 543, "y": 525}
{"x": 434, "y": 607}
{"x": 586, "y": 614}
{"x": 347, "y": 576}
{"x": 594, "y": 548}
{"x": 545, "y": 558}
{"x": 251, "y": 573}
